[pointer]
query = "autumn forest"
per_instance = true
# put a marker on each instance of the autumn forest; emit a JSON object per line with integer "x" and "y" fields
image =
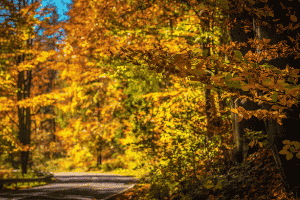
{"x": 198, "y": 98}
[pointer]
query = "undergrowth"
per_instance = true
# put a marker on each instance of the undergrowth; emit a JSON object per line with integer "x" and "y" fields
{"x": 10, "y": 174}
{"x": 256, "y": 178}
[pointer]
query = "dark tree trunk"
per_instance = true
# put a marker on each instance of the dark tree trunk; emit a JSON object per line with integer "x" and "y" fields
{"x": 208, "y": 96}
{"x": 238, "y": 34}
{"x": 238, "y": 128}
{"x": 99, "y": 143}
{"x": 24, "y": 115}
{"x": 210, "y": 107}
{"x": 99, "y": 156}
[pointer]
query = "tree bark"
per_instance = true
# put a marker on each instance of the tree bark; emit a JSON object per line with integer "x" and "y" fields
{"x": 24, "y": 115}
{"x": 99, "y": 156}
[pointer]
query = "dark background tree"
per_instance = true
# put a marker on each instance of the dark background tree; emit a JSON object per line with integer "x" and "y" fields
{"x": 285, "y": 13}
{"x": 23, "y": 81}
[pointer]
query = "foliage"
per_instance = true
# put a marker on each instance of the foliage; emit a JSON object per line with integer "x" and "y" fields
{"x": 290, "y": 148}
{"x": 256, "y": 138}
{"x": 131, "y": 82}
{"x": 257, "y": 178}
{"x": 181, "y": 146}
{"x": 247, "y": 80}
{"x": 9, "y": 174}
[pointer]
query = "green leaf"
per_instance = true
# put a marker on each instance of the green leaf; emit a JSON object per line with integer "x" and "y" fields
{"x": 286, "y": 147}
{"x": 297, "y": 145}
{"x": 96, "y": 97}
{"x": 246, "y": 61}
{"x": 228, "y": 76}
{"x": 218, "y": 185}
{"x": 274, "y": 97}
{"x": 283, "y": 152}
{"x": 205, "y": 52}
{"x": 224, "y": 4}
{"x": 232, "y": 84}
{"x": 289, "y": 156}
{"x": 235, "y": 85}
{"x": 267, "y": 66}
{"x": 276, "y": 71}
{"x": 239, "y": 55}
{"x": 208, "y": 184}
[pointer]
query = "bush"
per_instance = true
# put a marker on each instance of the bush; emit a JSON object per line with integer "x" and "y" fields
{"x": 106, "y": 167}
{"x": 71, "y": 167}
{"x": 39, "y": 173}
{"x": 158, "y": 191}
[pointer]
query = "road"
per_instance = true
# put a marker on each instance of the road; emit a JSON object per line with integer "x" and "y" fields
{"x": 75, "y": 185}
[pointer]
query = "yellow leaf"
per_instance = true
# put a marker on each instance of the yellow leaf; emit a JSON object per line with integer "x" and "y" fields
{"x": 63, "y": 75}
{"x": 177, "y": 85}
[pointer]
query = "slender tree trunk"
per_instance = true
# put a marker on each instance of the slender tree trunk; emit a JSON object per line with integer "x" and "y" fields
{"x": 99, "y": 144}
{"x": 209, "y": 106}
{"x": 99, "y": 156}
{"x": 24, "y": 115}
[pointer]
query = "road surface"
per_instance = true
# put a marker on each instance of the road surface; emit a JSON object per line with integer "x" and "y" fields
{"x": 75, "y": 185}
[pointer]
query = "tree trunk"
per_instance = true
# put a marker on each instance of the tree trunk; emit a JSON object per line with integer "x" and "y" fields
{"x": 99, "y": 156}
{"x": 24, "y": 115}
{"x": 209, "y": 98}
{"x": 238, "y": 34}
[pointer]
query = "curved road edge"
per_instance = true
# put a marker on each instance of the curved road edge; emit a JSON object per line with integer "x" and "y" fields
{"x": 112, "y": 197}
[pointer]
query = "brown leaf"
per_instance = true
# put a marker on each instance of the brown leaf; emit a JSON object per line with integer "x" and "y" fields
{"x": 293, "y": 18}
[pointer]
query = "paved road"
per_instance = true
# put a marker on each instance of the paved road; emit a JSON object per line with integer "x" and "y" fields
{"x": 79, "y": 186}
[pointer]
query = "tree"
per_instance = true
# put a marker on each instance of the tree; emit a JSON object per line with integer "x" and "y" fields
{"x": 20, "y": 60}
{"x": 23, "y": 85}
